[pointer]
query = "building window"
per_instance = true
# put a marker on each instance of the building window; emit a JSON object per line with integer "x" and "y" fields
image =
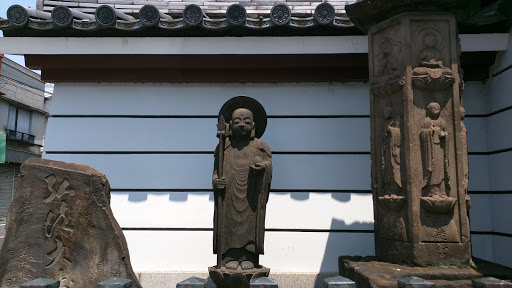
{"x": 18, "y": 125}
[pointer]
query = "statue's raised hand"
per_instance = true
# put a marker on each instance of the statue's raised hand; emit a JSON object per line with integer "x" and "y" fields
{"x": 257, "y": 165}
{"x": 219, "y": 184}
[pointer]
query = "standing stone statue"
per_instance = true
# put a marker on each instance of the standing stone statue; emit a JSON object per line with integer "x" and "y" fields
{"x": 241, "y": 182}
{"x": 433, "y": 137}
{"x": 391, "y": 154}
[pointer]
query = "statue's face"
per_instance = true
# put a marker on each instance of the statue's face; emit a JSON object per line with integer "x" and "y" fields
{"x": 462, "y": 113}
{"x": 430, "y": 40}
{"x": 435, "y": 109}
{"x": 242, "y": 123}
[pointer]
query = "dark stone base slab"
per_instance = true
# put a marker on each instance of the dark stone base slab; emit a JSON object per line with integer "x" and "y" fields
{"x": 368, "y": 272}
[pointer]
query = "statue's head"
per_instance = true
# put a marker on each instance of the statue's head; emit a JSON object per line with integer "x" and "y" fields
{"x": 433, "y": 110}
{"x": 462, "y": 113}
{"x": 388, "y": 112}
{"x": 242, "y": 124}
{"x": 430, "y": 40}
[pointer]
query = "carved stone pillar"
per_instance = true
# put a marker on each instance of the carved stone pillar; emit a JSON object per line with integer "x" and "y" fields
{"x": 419, "y": 160}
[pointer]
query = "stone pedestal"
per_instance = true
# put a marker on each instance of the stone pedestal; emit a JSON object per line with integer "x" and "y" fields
{"x": 369, "y": 272}
{"x": 229, "y": 278}
{"x": 418, "y": 140}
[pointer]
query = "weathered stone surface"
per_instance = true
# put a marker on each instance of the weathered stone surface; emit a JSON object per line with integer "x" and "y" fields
{"x": 241, "y": 183}
{"x": 369, "y": 272}
{"x": 339, "y": 282}
{"x": 414, "y": 282}
{"x": 60, "y": 226}
{"x": 41, "y": 283}
{"x": 490, "y": 282}
{"x": 115, "y": 283}
{"x": 419, "y": 154}
{"x": 192, "y": 282}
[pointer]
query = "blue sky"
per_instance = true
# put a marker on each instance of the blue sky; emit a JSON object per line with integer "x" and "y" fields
{"x": 4, "y": 5}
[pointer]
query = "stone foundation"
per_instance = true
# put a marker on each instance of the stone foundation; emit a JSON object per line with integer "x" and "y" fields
{"x": 369, "y": 272}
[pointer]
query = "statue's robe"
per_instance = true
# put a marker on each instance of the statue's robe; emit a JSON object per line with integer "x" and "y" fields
{"x": 433, "y": 152}
{"x": 239, "y": 217}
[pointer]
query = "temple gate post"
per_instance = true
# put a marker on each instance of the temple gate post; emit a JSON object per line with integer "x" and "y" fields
{"x": 418, "y": 141}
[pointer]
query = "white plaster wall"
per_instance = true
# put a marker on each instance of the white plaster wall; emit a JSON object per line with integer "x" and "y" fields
{"x": 499, "y": 141}
{"x": 155, "y": 142}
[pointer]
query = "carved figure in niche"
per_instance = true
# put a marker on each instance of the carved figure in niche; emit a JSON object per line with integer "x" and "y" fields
{"x": 430, "y": 56}
{"x": 241, "y": 182}
{"x": 390, "y": 170}
{"x": 387, "y": 74}
{"x": 387, "y": 60}
{"x": 434, "y": 152}
{"x": 431, "y": 69}
{"x": 392, "y": 179}
{"x": 464, "y": 147}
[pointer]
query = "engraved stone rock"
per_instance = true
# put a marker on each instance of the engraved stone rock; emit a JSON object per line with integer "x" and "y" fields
{"x": 241, "y": 184}
{"x": 419, "y": 150}
{"x": 60, "y": 226}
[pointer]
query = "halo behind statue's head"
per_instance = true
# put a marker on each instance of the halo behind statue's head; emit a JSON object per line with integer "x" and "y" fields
{"x": 258, "y": 112}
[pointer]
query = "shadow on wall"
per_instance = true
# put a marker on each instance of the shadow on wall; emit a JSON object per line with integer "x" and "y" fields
{"x": 354, "y": 239}
{"x": 182, "y": 196}
{"x": 175, "y": 196}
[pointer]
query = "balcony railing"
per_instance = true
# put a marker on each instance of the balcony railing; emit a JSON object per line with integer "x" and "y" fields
{"x": 20, "y": 136}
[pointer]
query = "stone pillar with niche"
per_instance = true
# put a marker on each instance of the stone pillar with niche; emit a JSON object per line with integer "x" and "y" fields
{"x": 419, "y": 154}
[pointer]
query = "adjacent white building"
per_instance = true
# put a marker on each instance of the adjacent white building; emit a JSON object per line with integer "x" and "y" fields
{"x": 23, "y": 119}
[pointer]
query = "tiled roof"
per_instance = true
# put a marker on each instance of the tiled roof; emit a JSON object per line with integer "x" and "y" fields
{"x": 133, "y": 15}
{"x": 208, "y": 6}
